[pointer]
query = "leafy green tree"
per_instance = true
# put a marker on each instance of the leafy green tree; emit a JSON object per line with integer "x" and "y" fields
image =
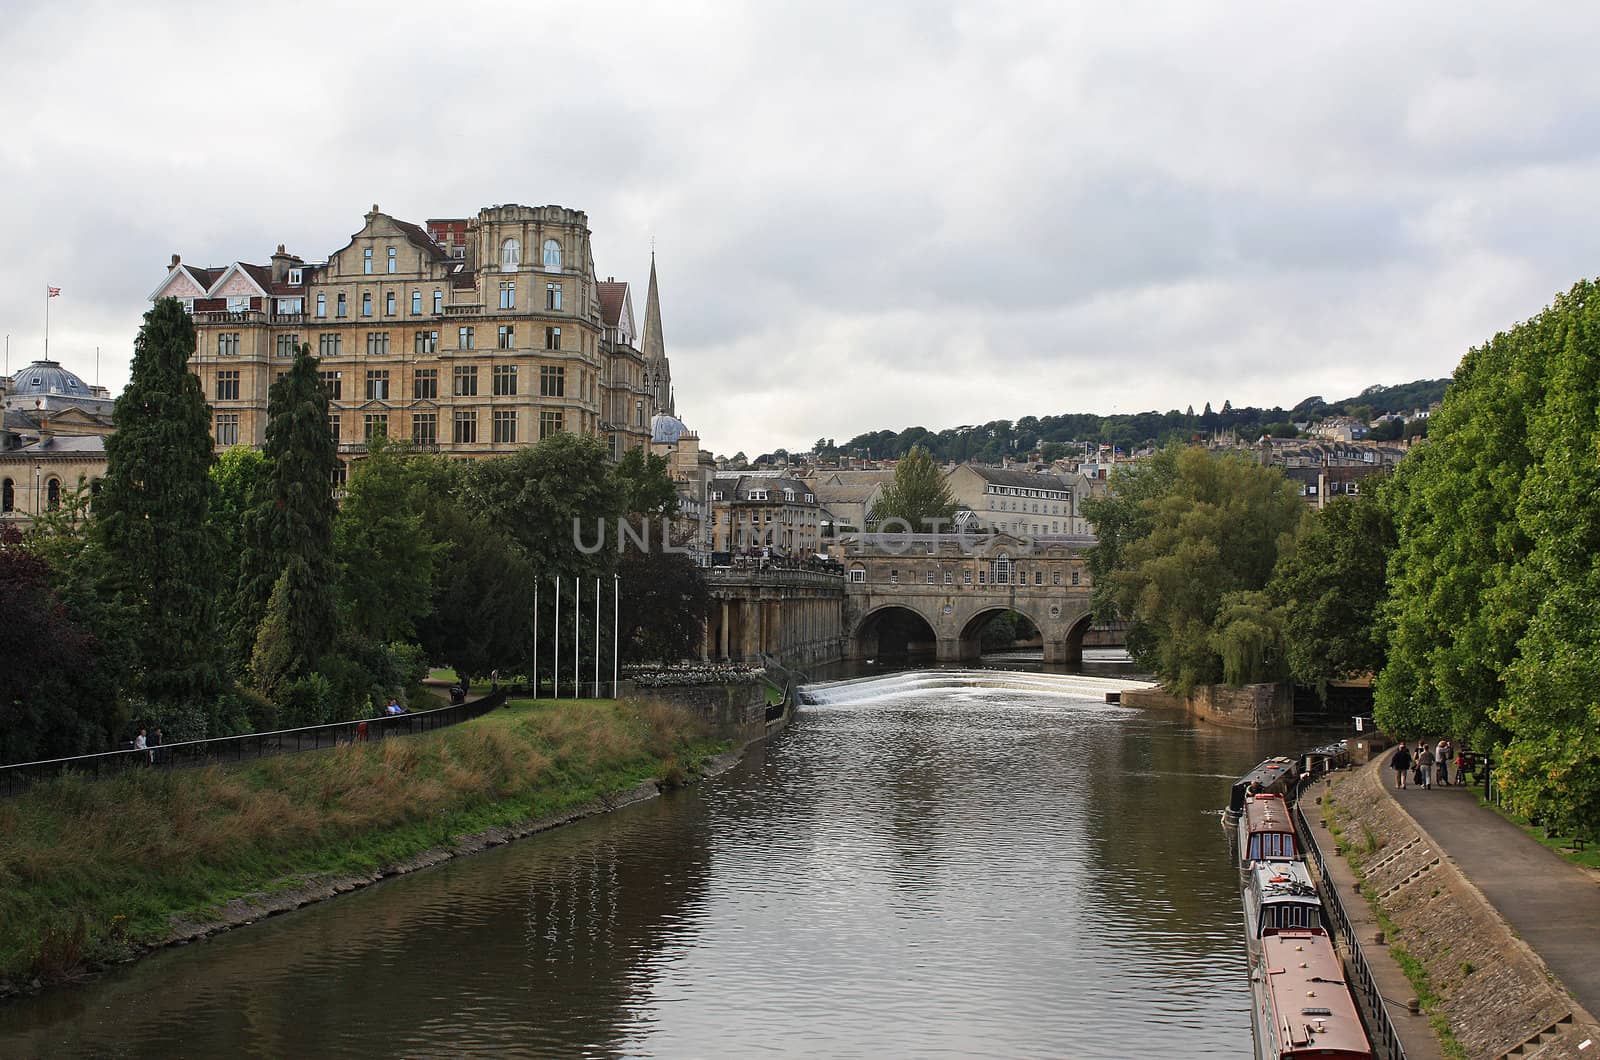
{"x": 554, "y": 500}
{"x": 384, "y": 546}
{"x": 152, "y": 522}
{"x": 1550, "y": 706}
{"x": 289, "y": 532}
{"x": 481, "y": 618}
{"x": 1214, "y": 530}
{"x": 1331, "y": 584}
{"x": 663, "y": 600}
{"x": 918, "y": 494}
{"x": 1125, "y": 513}
{"x": 238, "y": 473}
{"x": 646, "y": 489}
{"x": 1248, "y": 638}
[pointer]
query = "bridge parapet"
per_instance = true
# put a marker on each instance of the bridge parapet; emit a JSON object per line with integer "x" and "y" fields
{"x": 797, "y": 577}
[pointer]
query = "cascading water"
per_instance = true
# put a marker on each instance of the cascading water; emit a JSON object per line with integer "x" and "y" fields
{"x": 885, "y": 687}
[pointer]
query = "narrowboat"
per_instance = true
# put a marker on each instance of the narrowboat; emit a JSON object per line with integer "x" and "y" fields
{"x": 1301, "y": 1006}
{"x": 1275, "y": 776}
{"x": 1279, "y": 896}
{"x": 1266, "y": 832}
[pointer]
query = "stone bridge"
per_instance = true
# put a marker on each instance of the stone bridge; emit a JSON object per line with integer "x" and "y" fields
{"x": 911, "y": 593}
{"x": 795, "y": 616}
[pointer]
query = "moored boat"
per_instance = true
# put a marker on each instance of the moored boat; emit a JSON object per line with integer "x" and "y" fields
{"x": 1266, "y": 832}
{"x": 1275, "y": 776}
{"x": 1301, "y": 1006}
{"x": 1279, "y": 896}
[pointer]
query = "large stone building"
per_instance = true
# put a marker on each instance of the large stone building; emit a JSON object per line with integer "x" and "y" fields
{"x": 474, "y": 336}
{"x": 1024, "y": 503}
{"x": 758, "y": 510}
{"x": 52, "y": 439}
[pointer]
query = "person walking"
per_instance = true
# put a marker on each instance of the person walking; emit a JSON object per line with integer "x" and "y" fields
{"x": 139, "y": 744}
{"x": 1424, "y": 759}
{"x": 1441, "y": 761}
{"x": 1401, "y": 764}
{"x": 154, "y": 743}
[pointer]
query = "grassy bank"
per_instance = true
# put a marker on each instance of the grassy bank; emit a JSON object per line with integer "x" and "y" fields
{"x": 95, "y": 870}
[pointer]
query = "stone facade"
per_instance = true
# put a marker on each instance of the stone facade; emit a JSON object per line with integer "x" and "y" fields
{"x": 472, "y": 336}
{"x": 52, "y": 439}
{"x": 1020, "y": 502}
{"x": 948, "y": 585}
{"x": 752, "y": 511}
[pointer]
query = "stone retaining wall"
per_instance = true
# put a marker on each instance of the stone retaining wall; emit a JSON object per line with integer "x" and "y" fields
{"x": 736, "y": 712}
{"x": 1495, "y": 992}
{"x": 1263, "y": 706}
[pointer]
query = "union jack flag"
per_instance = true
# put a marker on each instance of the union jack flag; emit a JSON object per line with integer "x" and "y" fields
{"x": 55, "y": 292}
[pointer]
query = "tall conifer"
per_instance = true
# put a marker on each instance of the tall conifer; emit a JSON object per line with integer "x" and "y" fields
{"x": 289, "y": 532}
{"x": 152, "y": 518}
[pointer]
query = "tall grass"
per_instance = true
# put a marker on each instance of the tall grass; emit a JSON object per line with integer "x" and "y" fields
{"x": 92, "y": 870}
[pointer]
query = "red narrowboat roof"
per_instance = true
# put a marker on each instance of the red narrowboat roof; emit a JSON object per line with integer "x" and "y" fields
{"x": 1312, "y": 1010}
{"x": 1267, "y": 813}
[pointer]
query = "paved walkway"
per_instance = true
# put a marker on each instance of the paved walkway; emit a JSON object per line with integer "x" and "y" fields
{"x": 1551, "y": 903}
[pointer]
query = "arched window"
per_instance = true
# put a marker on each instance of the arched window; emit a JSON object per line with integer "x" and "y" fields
{"x": 8, "y": 496}
{"x": 510, "y": 254}
{"x": 52, "y": 494}
{"x": 1002, "y": 569}
{"x": 552, "y": 254}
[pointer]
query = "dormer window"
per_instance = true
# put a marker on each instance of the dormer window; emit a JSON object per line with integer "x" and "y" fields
{"x": 294, "y": 277}
{"x": 716, "y": 495}
{"x": 552, "y": 254}
{"x": 510, "y": 254}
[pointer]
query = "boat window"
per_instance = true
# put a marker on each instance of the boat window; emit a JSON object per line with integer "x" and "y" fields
{"x": 1271, "y": 845}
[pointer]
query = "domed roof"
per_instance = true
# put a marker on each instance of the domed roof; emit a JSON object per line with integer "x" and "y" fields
{"x": 665, "y": 429}
{"x": 47, "y": 377}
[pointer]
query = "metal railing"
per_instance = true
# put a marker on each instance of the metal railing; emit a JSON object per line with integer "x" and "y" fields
{"x": 1385, "y": 1040}
{"x": 17, "y": 778}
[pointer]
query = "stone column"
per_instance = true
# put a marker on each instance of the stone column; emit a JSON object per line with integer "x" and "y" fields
{"x": 724, "y": 632}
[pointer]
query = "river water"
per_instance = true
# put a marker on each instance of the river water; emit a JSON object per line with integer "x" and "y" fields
{"x": 946, "y": 863}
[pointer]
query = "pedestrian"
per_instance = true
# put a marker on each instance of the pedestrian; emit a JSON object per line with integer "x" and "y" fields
{"x": 1461, "y": 767}
{"x": 1424, "y": 759}
{"x": 153, "y": 743}
{"x": 1442, "y": 756}
{"x": 139, "y": 744}
{"x": 1401, "y": 764}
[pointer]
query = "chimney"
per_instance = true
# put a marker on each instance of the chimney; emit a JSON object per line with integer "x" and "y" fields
{"x": 280, "y": 265}
{"x": 175, "y": 262}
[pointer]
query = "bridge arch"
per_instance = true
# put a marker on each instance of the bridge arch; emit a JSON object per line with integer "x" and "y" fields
{"x": 893, "y": 631}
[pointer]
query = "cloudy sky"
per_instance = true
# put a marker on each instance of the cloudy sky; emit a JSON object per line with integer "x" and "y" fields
{"x": 866, "y": 215}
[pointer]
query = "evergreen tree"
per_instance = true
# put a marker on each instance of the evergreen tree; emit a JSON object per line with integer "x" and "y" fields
{"x": 288, "y": 535}
{"x": 152, "y": 520}
{"x": 918, "y": 494}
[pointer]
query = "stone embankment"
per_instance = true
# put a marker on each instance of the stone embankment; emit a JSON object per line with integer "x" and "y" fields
{"x": 1496, "y": 996}
{"x": 1263, "y": 706}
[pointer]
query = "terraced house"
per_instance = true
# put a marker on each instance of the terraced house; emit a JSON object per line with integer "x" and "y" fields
{"x": 471, "y": 336}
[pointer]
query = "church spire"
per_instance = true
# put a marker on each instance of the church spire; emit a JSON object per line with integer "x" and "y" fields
{"x": 654, "y": 349}
{"x": 651, "y": 344}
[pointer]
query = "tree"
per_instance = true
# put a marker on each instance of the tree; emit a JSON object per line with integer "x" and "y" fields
{"x": 289, "y": 531}
{"x": 383, "y": 546}
{"x": 58, "y": 687}
{"x": 482, "y": 605}
{"x": 663, "y": 599}
{"x": 1331, "y": 585}
{"x": 551, "y": 499}
{"x": 237, "y": 475}
{"x": 152, "y": 521}
{"x": 919, "y": 494}
{"x": 646, "y": 489}
{"x": 1213, "y": 529}
{"x": 1125, "y": 513}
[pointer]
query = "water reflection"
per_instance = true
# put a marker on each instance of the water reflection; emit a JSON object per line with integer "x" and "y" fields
{"x": 952, "y": 866}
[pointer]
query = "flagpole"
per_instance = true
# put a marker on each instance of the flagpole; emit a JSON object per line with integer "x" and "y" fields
{"x": 47, "y": 322}
{"x": 597, "y": 637}
{"x": 536, "y": 638}
{"x": 555, "y": 679}
{"x": 616, "y": 592}
{"x": 577, "y": 628}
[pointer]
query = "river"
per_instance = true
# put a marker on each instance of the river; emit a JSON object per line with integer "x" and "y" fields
{"x": 946, "y": 863}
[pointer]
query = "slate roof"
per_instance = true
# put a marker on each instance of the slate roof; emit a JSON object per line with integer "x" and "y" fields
{"x": 999, "y": 476}
{"x": 612, "y": 294}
